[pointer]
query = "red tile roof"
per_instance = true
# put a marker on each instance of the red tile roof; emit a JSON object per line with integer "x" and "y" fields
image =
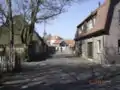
{"x": 101, "y": 19}
{"x": 57, "y": 42}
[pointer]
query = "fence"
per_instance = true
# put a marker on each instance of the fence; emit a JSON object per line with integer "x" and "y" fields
{"x": 6, "y": 63}
{"x": 3, "y": 60}
{"x": 3, "y": 64}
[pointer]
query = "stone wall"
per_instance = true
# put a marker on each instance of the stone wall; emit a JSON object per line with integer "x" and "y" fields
{"x": 111, "y": 40}
{"x": 97, "y": 56}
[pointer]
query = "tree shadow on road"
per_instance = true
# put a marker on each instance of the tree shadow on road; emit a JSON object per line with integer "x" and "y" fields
{"x": 59, "y": 77}
{"x": 63, "y": 56}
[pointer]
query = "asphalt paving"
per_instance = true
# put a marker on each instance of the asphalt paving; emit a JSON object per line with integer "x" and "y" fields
{"x": 63, "y": 71}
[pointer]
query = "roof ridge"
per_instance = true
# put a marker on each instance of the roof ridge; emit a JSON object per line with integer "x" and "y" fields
{"x": 93, "y": 12}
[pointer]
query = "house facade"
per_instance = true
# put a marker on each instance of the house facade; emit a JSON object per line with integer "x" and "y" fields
{"x": 57, "y": 42}
{"x": 38, "y": 49}
{"x": 54, "y": 40}
{"x": 98, "y": 36}
{"x": 20, "y": 46}
{"x": 70, "y": 43}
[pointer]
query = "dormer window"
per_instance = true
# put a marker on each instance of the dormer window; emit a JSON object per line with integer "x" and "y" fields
{"x": 90, "y": 26}
{"x": 80, "y": 31}
{"x": 82, "y": 27}
{"x": 85, "y": 26}
{"x": 94, "y": 20}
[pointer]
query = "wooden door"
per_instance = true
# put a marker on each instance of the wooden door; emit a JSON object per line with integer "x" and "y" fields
{"x": 90, "y": 49}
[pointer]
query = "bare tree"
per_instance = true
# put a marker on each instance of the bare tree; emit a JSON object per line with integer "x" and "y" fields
{"x": 36, "y": 11}
{"x": 11, "y": 28}
{"x": 6, "y": 20}
{"x": 33, "y": 11}
{"x": 3, "y": 15}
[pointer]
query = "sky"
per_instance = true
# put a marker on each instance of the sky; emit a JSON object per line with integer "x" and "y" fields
{"x": 65, "y": 24}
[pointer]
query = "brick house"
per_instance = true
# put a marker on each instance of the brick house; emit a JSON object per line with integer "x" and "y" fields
{"x": 98, "y": 36}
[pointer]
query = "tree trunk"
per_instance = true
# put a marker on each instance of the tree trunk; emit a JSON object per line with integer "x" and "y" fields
{"x": 33, "y": 17}
{"x": 11, "y": 31}
{"x": 11, "y": 27}
{"x": 17, "y": 62}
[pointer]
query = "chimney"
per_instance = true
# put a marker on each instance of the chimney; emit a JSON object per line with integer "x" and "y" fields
{"x": 106, "y": 1}
{"x": 99, "y": 4}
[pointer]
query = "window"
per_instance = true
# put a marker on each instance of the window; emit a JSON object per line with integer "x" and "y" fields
{"x": 119, "y": 16}
{"x": 90, "y": 49}
{"x": 94, "y": 20}
{"x": 80, "y": 31}
{"x": 85, "y": 27}
{"x": 119, "y": 46}
{"x": 90, "y": 26}
{"x": 99, "y": 45}
{"x": 82, "y": 27}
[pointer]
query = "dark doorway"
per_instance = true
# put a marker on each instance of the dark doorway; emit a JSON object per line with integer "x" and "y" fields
{"x": 90, "y": 49}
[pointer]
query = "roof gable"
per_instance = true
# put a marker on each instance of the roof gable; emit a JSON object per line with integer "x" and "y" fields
{"x": 103, "y": 20}
{"x": 101, "y": 15}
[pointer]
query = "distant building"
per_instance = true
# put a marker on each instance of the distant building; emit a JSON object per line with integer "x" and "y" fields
{"x": 98, "y": 36}
{"x": 70, "y": 43}
{"x": 54, "y": 40}
{"x": 57, "y": 42}
{"x": 38, "y": 48}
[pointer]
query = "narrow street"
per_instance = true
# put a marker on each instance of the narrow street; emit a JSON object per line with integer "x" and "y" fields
{"x": 61, "y": 72}
{"x": 59, "y": 44}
